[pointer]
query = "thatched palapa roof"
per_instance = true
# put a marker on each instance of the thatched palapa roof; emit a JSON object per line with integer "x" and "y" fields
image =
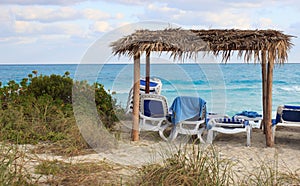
{"x": 182, "y": 44}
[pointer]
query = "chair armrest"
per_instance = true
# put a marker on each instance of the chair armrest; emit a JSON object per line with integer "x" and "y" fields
{"x": 152, "y": 119}
{"x": 194, "y": 122}
{"x": 247, "y": 118}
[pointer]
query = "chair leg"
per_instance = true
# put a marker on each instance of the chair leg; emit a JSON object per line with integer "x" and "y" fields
{"x": 210, "y": 136}
{"x": 199, "y": 135}
{"x": 249, "y": 131}
{"x": 173, "y": 134}
{"x": 161, "y": 132}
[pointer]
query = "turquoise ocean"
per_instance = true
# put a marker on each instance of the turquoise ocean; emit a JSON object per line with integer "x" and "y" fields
{"x": 227, "y": 88}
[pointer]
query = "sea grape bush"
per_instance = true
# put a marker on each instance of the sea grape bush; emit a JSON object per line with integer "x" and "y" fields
{"x": 56, "y": 86}
{"x": 39, "y": 108}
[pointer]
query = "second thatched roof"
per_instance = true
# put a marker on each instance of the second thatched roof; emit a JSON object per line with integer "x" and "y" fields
{"x": 182, "y": 44}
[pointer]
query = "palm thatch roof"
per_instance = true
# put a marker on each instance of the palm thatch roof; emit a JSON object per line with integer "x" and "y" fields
{"x": 182, "y": 44}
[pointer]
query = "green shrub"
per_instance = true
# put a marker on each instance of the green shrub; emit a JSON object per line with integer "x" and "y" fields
{"x": 56, "y": 86}
{"x": 105, "y": 105}
{"x": 40, "y": 108}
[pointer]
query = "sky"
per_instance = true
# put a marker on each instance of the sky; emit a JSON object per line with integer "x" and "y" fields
{"x": 61, "y": 31}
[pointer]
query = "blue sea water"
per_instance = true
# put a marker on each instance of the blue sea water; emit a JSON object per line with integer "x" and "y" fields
{"x": 227, "y": 88}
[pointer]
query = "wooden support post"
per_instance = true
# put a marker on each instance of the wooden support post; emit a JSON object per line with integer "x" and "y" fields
{"x": 268, "y": 121}
{"x": 147, "y": 72}
{"x": 136, "y": 98}
{"x": 264, "y": 88}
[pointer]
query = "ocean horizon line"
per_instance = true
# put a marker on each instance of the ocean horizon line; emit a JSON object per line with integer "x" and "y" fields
{"x": 143, "y": 63}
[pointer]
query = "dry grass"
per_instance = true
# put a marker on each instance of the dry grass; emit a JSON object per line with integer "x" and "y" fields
{"x": 197, "y": 166}
{"x": 62, "y": 173}
{"x": 191, "y": 165}
{"x": 13, "y": 169}
{"x": 20, "y": 167}
{"x": 182, "y": 44}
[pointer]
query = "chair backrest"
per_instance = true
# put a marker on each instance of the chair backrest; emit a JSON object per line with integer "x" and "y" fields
{"x": 153, "y": 105}
{"x": 155, "y": 86}
{"x": 187, "y": 108}
{"x": 288, "y": 113}
{"x": 291, "y": 115}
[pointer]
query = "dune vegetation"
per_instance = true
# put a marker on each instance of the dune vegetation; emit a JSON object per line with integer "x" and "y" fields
{"x": 38, "y": 111}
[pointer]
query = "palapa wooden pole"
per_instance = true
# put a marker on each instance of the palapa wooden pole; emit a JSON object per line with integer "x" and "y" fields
{"x": 136, "y": 98}
{"x": 268, "y": 121}
{"x": 147, "y": 72}
{"x": 264, "y": 87}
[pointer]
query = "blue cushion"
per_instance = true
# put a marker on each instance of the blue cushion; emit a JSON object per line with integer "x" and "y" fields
{"x": 153, "y": 108}
{"x": 152, "y": 84}
{"x": 291, "y": 115}
{"x": 291, "y": 106}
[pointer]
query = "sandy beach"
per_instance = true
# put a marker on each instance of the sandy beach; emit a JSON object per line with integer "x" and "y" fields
{"x": 129, "y": 156}
{"x": 151, "y": 149}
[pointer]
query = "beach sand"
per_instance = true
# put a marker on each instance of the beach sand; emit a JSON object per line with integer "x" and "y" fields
{"x": 284, "y": 155}
{"x": 152, "y": 149}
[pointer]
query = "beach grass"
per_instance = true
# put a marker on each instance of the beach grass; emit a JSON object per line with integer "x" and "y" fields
{"x": 190, "y": 165}
{"x": 199, "y": 166}
{"x": 13, "y": 169}
{"x": 80, "y": 173}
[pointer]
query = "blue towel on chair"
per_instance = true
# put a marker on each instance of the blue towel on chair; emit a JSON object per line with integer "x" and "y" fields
{"x": 186, "y": 107}
{"x": 250, "y": 114}
{"x": 233, "y": 121}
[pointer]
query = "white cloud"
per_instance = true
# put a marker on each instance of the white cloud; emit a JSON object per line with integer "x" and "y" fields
{"x": 119, "y": 16}
{"x": 246, "y": 5}
{"x": 130, "y": 2}
{"x": 35, "y": 28}
{"x": 6, "y": 22}
{"x": 265, "y": 23}
{"x": 17, "y": 40}
{"x": 70, "y": 2}
{"x": 100, "y": 26}
{"x": 162, "y": 8}
{"x": 46, "y": 14}
{"x": 39, "y": 20}
{"x": 41, "y": 2}
{"x": 227, "y": 19}
{"x": 93, "y": 14}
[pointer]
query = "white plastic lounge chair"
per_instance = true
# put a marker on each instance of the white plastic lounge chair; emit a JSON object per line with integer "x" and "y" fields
{"x": 288, "y": 116}
{"x": 228, "y": 126}
{"x": 188, "y": 117}
{"x": 155, "y": 88}
{"x": 155, "y": 85}
{"x": 253, "y": 117}
{"x": 153, "y": 113}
